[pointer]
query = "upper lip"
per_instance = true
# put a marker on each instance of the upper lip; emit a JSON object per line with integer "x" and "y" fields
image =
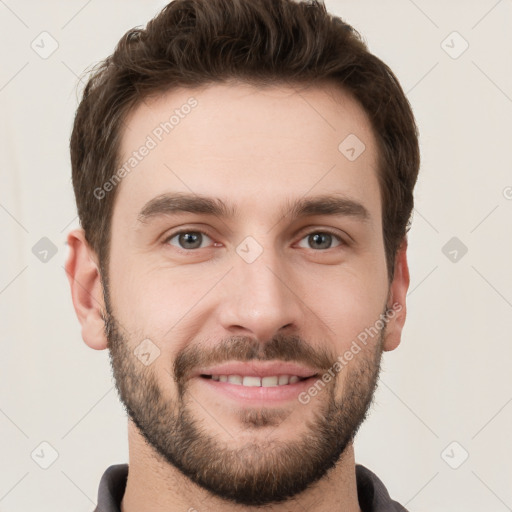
{"x": 258, "y": 369}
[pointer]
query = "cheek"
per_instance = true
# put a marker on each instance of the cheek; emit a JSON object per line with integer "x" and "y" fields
{"x": 162, "y": 303}
{"x": 140, "y": 293}
{"x": 349, "y": 303}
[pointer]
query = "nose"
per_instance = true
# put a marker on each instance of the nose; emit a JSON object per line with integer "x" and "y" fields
{"x": 260, "y": 299}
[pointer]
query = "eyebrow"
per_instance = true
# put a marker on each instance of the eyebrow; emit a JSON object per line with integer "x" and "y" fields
{"x": 177, "y": 203}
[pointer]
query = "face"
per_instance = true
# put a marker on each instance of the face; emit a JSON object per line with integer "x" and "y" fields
{"x": 246, "y": 246}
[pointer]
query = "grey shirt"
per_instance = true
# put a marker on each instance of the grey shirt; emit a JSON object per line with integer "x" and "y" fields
{"x": 371, "y": 493}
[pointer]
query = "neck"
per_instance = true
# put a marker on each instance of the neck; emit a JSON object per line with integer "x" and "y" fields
{"x": 154, "y": 485}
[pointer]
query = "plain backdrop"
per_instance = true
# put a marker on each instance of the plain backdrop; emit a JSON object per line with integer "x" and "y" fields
{"x": 439, "y": 432}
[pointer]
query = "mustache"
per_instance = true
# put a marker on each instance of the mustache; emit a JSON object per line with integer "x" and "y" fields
{"x": 244, "y": 349}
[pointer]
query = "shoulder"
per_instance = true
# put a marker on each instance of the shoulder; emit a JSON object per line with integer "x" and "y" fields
{"x": 372, "y": 493}
{"x": 111, "y": 488}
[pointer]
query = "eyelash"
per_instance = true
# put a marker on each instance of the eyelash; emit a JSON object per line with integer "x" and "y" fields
{"x": 317, "y": 231}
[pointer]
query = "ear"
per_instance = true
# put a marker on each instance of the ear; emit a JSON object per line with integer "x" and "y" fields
{"x": 396, "y": 300}
{"x": 82, "y": 269}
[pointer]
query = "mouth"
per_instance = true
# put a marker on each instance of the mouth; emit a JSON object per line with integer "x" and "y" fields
{"x": 255, "y": 381}
{"x": 255, "y": 390}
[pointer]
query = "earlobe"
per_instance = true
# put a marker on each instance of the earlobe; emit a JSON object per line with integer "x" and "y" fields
{"x": 397, "y": 309}
{"x": 86, "y": 289}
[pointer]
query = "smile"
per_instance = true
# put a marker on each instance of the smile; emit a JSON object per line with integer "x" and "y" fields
{"x": 254, "y": 381}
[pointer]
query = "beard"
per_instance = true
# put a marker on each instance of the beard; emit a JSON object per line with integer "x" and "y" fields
{"x": 256, "y": 473}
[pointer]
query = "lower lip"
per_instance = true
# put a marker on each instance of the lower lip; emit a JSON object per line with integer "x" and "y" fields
{"x": 258, "y": 394}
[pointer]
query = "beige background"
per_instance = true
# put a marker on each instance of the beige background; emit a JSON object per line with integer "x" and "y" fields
{"x": 449, "y": 381}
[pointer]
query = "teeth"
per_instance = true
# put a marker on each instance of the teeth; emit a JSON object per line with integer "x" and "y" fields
{"x": 251, "y": 381}
{"x": 283, "y": 379}
{"x": 269, "y": 381}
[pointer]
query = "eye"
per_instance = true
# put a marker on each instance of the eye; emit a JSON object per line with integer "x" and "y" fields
{"x": 188, "y": 239}
{"x": 321, "y": 240}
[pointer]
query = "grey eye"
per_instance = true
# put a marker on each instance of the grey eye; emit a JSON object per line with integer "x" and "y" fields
{"x": 188, "y": 239}
{"x": 320, "y": 240}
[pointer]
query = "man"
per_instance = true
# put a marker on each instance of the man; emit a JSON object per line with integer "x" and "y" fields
{"x": 244, "y": 174}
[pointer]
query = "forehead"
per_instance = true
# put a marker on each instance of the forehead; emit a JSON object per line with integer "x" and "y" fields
{"x": 248, "y": 146}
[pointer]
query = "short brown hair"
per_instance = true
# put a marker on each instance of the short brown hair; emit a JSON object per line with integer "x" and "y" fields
{"x": 194, "y": 43}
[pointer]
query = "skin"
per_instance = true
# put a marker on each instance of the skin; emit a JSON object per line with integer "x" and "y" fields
{"x": 254, "y": 149}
